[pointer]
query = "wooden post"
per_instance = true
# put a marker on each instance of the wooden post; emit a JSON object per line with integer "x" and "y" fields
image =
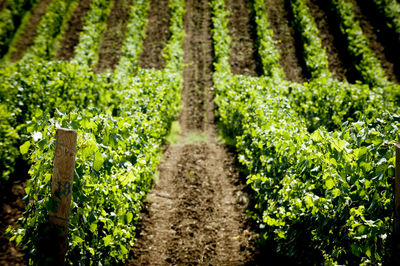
{"x": 396, "y": 231}
{"x": 63, "y": 174}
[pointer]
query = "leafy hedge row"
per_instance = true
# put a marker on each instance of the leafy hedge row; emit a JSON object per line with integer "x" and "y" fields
{"x": 315, "y": 55}
{"x": 322, "y": 196}
{"x": 266, "y": 45}
{"x": 86, "y": 52}
{"x": 48, "y": 30}
{"x": 10, "y": 19}
{"x": 133, "y": 39}
{"x": 363, "y": 57}
{"x": 121, "y": 122}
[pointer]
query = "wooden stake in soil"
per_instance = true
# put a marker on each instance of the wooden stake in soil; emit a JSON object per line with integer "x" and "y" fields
{"x": 63, "y": 174}
{"x": 396, "y": 231}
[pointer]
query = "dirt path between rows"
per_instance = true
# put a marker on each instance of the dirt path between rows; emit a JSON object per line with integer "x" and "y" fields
{"x": 157, "y": 35}
{"x": 2, "y": 4}
{"x": 243, "y": 45}
{"x": 290, "y": 55}
{"x": 114, "y": 36}
{"x": 11, "y": 208}
{"x": 195, "y": 213}
{"x": 70, "y": 39}
{"x": 28, "y": 36}
{"x": 329, "y": 41}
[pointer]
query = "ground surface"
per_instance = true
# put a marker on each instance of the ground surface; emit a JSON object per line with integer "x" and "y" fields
{"x": 157, "y": 35}
{"x": 11, "y": 208}
{"x": 290, "y": 54}
{"x": 243, "y": 61}
{"x": 195, "y": 213}
{"x": 2, "y": 4}
{"x": 70, "y": 39}
{"x": 329, "y": 42}
{"x": 114, "y": 36}
{"x": 29, "y": 34}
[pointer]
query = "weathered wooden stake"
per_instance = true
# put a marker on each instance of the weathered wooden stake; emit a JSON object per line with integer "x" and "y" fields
{"x": 63, "y": 174}
{"x": 396, "y": 231}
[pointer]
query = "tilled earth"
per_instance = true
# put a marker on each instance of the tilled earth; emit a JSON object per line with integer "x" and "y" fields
{"x": 195, "y": 213}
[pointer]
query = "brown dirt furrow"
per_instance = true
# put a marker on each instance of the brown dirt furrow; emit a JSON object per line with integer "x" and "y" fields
{"x": 243, "y": 46}
{"x": 28, "y": 36}
{"x": 290, "y": 55}
{"x": 70, "y": 38}
{"x": 375, "y": 44}
{"x": 329, "y": 41}
{"x": 195, "y": 213}
{"x": 2, "y": 4}
{"x": 157, "y": 35}
{"x": 385, "y": 35}
{"x": 11, "y": 210}
{"x": 198, "y": 59}
{"x": 114, "y": 36}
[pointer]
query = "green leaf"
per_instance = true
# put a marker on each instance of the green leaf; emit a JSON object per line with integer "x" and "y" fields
{"x": 25, "y": 147}
{"x": 329, "y": 183}
{"x": 129, "y": 217}
{"x": 77, "y": 240}
{"x": 93, "y": 227}
{"x": 107, "y": 240}
{"x": 98, "y": 161}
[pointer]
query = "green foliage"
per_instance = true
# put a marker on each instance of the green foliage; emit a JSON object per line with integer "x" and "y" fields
{"x": 133, "y": 39}
{"x": 48, "y": 30}
{"x": 10, "y": 19}
{"x": 266, "y": 45}
{"x": 314, "y": 54}
{"x": 364, "y": 58}
{"x": 319, "y": 155}
{"x": 87, "y": 49}
{"x": 122, "y": 121}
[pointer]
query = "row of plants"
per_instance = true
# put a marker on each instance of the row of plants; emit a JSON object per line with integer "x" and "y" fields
{"x": 314, "y": 54}
{"x": 121, "y": 120}
{"x": 324, "y": 101}
{"x": 86, "y": 52}
{"x": 18, "y": 102}
{"x": 49, "y": 30}
{"x": 363, "y": 57}
{"x": 128, "y": 63}
{"x": 322, "y": 195}
{"x": 265, "y": 44}
{"x": 10, "y": 19}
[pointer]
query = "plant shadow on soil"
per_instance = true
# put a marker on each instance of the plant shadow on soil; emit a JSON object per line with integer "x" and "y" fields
{"x": 265, "y": 250}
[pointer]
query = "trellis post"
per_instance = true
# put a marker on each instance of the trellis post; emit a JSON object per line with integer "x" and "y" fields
{"x": 61, "y": 188}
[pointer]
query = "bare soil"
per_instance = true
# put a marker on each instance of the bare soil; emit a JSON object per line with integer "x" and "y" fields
{"x": 157, "y": 35}
{"x": 385, "y": 35}
{"x": 329, "y": 40}
{"x": 28, "y": 36}
{"x": 195, "y": 213}
{"x": 11, "y": 210}
{"x": 370, "y": 31}
{"x": 2, "y": 4}
{"x": 70, "y": 39}
{"x": 114, "y": 36}
{"x": 289, "y": 48}
{"x": 243, "y": 48}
